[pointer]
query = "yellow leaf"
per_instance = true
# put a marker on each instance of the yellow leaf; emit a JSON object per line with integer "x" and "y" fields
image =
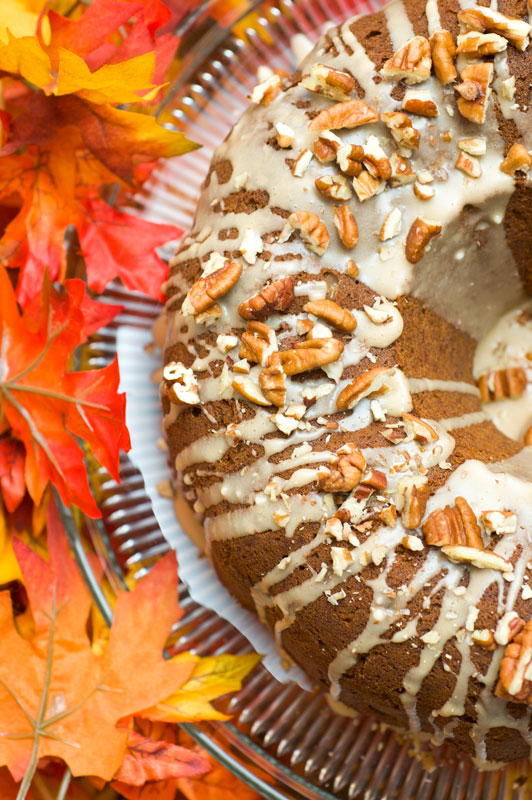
{"x": 112, "y": 83}
{"x": 25, "y": 56}
{"x": 19, "y": 17}
{"x": 212, "y": 677}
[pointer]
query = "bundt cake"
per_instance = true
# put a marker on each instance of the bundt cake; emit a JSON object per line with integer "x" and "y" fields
{"x": 363, "y": 227}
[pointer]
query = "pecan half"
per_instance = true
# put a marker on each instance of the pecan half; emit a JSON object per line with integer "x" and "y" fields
{"x": 346, "y": 225}
{"x": 363, "y": 385}
{"x": 310, "y": 354}
{"x": 276, "y": 296}
{"x": 420, "y": 234}
{"x": 443, "y": 55}
{"x": 349, "y": 114}
{"x": 453, "y": 525}
{"x": 509, "y": 382}
{"x": 258, "y": 342}
{"x": 518, "y": 158}
{"x": 345, "y": 475}
{"x": 514, "y": 682}
{"x": 312, "y": 230}
{"x": 208, "y": 289}
{"x": 340, "y": 318}
{"x": 329, "y": 82}
{"x": 326, "y": 146}
{"x": 482, "y": 559}
{"x": 181, "y": 384}
{"x": 400, "y": 126}
{"x": 411, "y": 63}
{"x": 411, "y": 499}
{"x": 488, "y": 20}
{"x": 420, "y": 102}
{"x": 333, "y": 187}
{"x": 272, "y": 381}
{"x": 474, "y": 91}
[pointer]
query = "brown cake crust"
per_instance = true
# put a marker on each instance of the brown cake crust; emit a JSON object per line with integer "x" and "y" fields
{"x": 363, "y": 601}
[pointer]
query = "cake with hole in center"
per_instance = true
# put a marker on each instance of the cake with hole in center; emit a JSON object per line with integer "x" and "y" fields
{"x": 365, "y": 225}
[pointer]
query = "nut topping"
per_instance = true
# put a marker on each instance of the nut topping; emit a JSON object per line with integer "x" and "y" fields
{"x": 443, "y": 55}
{"x": 418, "y": 429}
{"x": 285, "y": 135}
{"x": 515, "y": 683}
{"x": 400, "y": 126}
{"x": 423, "y": 191}
{"x": 469, "y": 165}
{"x": 366, "y": 186}
{"x": 258, "y": 342}
{"x": 346, "y": 225}
{"x": 509, "y": 382}
{"x": 266, "y": 91}
{"x": 310, "y": 354}
{"x": 402, "y": 172}
{"x": 333, "y": 187}
{"x": 474, "y": 147}
{"x": 499, "y": 522}
{"x": 365, "y": 384}
{"x": 276, "y": 296}
{"x": 312, "y": 230}
{"x": 326, "y": 146}
{"x": 208, "y": 289}
{"x": 349, "y": 159}
{"x": 272, "y": 381}
{"x": 302, "y": 163}
{"x": 251, "y": 245}
{"x": 420, "y": 234}
{"x": 245, "y": 386}
{"x": 482, "y": 559}
{"x": 340, "y": 318}
{"x": 474, "y": 91}
{"x": 345, "y": 475}
{"x": 411, "y": 63}
{"x": 518, "y": 158}
{"x": 487, "y": 20}
{"x": 329, "y": 82}
{"x": 392, "y": 225}
{"x": 181, "y": 384}
{"x": 453, "y": 525}
{"x": 411, "y": 500}
{"x": 375, "y": 159}
{"x": 481, "y": 44}
{"x": 349, "y": 114}
{"x": 419, "y": 101}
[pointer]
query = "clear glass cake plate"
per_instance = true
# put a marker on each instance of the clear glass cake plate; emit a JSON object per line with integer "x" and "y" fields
{"x": 281, "y": 740}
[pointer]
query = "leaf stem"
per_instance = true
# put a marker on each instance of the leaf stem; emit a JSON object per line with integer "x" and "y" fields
{"x": 65, "y": 783}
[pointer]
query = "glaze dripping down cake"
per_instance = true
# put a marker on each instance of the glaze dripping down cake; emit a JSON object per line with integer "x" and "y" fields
{"x": 365, "y": 224}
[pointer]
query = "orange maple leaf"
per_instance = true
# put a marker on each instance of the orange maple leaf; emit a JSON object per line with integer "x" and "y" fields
{"x": 153, "y": 760}
{"x": 45, "y": 404}
{"x": 57, "y": 699}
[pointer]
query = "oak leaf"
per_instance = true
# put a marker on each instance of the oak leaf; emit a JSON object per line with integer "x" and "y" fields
{"x": 45, "y": 404}
{"x": 57, "y": 699}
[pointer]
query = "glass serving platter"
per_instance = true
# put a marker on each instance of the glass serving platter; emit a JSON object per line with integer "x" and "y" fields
{"x": 283, "y": 741}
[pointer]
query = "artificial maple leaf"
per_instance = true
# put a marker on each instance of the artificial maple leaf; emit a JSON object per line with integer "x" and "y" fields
{"x": 11, "y": 472}
{"x": 213, "y": 676}
{"x": 147, "y": 759}
{"x": 57, "y": 699}
{"x": 46, "y": 405}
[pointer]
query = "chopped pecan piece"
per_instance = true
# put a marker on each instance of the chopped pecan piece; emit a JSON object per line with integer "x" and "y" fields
{"x": 266, "y": 91}
{"x": 500, "y": 522}
{"x": 420, "y": 102}
{"x": 509, "y": 382}
{"x": 402, "y": 172}
{"x": 285, "y": 135}
{"x": 328, "y": 81}
{"x": 345, "y": 474}
{"x": 366, "y": 186}
{"x": 418, "y": 429}
{"x": 487, "y": 20}
{"x": 481, "y": 44}
{"x": 310, "y": 354}
{"x": 301, "y": 163}
{"x": 400, "y": 126}
{"x": 453, "y": 525}
{"x": 276, "y": 296}
{"x": 349, "y": 159}
{"x": 391, "y": 226}
{"x": 208, "y": 289}
{"x": 349, "y": 114}
{"x": 411, "y": 63}
{"x": 181, "y": 384}
{"x": 482, "y": 559}
{"x": 375, "y": 159}
{"x": 346, "y": 225}
{"x": 443, "y": 55}
{"x": 258, "y": 342}
{"x": 362, "y": 386}
{"x": 340, "y": 318}
{"x": 312, "y": 230}
{"x": 474, "y": 91}
{"x": 515, "y": 681}
{"x": 333, "y": 187}
{"x": 420, "y": 234}
{"x": 518, "y": 158}
{"x": 245, "y": 386}
{"x": 469, "y": 165}
{"x": 411, "y": 500}
{"x": 272, "y": 381}
{"x": 326, "y": 146}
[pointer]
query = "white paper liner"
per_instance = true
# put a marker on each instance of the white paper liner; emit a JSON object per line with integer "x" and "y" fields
{"x": 143, "y": 416}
